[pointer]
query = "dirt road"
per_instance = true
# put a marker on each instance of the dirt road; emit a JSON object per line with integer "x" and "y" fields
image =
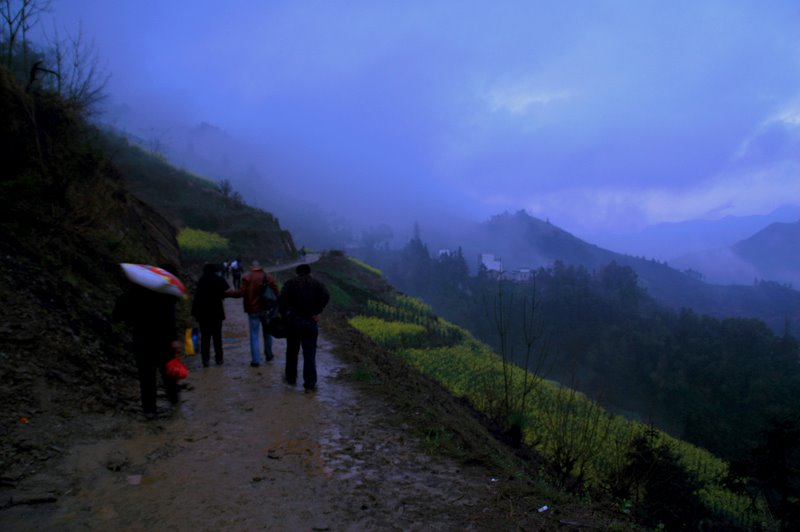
{"x": 243, "y": 451}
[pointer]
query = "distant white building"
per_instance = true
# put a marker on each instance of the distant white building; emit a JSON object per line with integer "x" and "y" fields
{"x": 520, "y": 275}
{"x": 490, "y": 262}
{"x": 444, "y": 253}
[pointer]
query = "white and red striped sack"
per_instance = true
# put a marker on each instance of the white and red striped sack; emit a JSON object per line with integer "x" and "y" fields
{"x": 154, "y": 278}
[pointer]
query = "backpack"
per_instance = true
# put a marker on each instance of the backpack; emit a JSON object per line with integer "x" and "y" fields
{"x": 268, "y": 298}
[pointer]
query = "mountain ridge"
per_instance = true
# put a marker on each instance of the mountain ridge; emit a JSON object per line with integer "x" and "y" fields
{"x": 667, "y": 241}
{"x": 770, "y": 254}
{"x": 524, "y": 241}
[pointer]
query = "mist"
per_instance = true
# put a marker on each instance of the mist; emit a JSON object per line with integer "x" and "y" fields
{"x": 604, "y": 118}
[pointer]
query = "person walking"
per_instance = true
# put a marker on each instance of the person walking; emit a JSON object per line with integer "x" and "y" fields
{"x": 209, "y": 311}
{"x": 301, "y": 302}
{"x": 151, "y": 316}
{"x": 236, "y": 273}
{"x": 258, "y": 310}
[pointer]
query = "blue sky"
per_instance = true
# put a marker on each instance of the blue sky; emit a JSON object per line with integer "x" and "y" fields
{"x": 600, "y": 115}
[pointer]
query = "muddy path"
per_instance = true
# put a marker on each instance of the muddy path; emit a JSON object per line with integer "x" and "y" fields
{"x": 243, "y": 451}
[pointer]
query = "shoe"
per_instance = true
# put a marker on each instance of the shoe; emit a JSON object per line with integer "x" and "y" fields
{"x": 254, "y": 364}
{"x": 288, "y": 382}
{"x": 311, "y": 389}
{"x": 205, "y": 364}
{"x": 218, "y": 362}
{"x": 268, "y": 357}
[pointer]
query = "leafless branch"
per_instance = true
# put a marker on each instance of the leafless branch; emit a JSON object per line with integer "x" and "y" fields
{"x": 18, "y": 17}
{"x": 79, "y": 77}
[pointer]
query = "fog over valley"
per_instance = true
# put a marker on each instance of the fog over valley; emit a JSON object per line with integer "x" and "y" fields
{"x": 662, "y": 131}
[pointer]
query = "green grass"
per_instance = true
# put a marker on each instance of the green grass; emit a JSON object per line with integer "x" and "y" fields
{"x": 364, "y": 375}
{"x": 367, "y": 267}
{"x": 339, "y": 297}
{"x": 556, "y": 420}
{"x": 198, "y": 240}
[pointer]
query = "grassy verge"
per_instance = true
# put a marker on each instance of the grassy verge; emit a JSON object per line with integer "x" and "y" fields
{"x": 574, "y": 447}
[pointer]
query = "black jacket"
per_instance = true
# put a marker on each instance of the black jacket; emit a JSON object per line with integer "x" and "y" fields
{"x": 151, "y": 315}
{"x": 207, "y": 304}
{"x": 302, "y": 297}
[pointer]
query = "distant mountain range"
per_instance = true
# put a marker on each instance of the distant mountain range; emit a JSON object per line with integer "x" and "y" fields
{"x": 772, "y": 254}
{"x": 666, "y": 241}
{"x": 523, "y": 241}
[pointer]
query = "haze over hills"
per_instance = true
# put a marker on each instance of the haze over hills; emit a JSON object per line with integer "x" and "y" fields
{"x": 523, "y": 241}
{"x": 772, "y": 254}
{"x": 267, "y": 179}
{"x": 666, "y": 241}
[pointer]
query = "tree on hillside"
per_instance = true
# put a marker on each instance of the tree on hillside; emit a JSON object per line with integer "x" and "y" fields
{"x": 663, "y": 492}
{"x": 416, "y": 261}
{"x": 68, "y": 66}
{"x": 79, "y": 78}
{"x": 517, "y": 324}
{"x": 773, "y": 467}
{"x": 623, "y": 283}
{"x": 18, "y": 17}
{"x": 226, "y": 189}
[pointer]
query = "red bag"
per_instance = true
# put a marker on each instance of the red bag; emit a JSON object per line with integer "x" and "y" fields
{"x": 176, "y": 370}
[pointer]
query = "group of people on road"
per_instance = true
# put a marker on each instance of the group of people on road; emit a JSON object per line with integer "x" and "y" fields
{"x": 151, "y": 316}
{"x": 233, "y": 269}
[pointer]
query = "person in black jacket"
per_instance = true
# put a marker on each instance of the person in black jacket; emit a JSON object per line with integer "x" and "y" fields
{"x": 301, "y": 302}
{"x": 151, "y": 316}
{"x": 208, "y": 310}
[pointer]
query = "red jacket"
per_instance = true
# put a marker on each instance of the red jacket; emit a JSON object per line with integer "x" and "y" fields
{"x": 250, "y": 291}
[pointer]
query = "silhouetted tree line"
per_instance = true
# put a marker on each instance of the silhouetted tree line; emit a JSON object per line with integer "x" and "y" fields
{"x": 67, "y": 65}
{"x": 728, "y": 385}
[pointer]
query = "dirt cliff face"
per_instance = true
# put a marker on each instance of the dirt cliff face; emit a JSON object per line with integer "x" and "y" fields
{"x": 67, "y": 221}
{"x": 60, "y": 356}
{"x": 155, "y": 233}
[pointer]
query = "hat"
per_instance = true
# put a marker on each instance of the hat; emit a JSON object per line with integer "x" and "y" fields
{"x": 303, "y": 269}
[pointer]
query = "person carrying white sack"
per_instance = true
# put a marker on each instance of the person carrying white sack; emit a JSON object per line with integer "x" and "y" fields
{"x": 148, "y": 307}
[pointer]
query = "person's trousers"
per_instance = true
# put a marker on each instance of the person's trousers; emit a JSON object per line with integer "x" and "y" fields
{"x": 259, "y": 320}
{"x": 211, "y": 331}
{"x": 303, "y": 333}
{"x": 150, "y": 361}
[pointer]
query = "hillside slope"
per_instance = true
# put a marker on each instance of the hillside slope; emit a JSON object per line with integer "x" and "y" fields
{"x": 66, "y": 220}
{"x": 68, "y": 217}
{"x": 192, "y": 201}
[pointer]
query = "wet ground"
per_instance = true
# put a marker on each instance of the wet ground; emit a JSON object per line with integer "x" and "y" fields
{"x": 243, "y": 451}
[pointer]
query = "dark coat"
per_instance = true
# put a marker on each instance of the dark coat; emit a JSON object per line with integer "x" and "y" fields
{"x": 303, "y": 297}
{"x": 207, "y": 304}
{"x": 151, "y": 316}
